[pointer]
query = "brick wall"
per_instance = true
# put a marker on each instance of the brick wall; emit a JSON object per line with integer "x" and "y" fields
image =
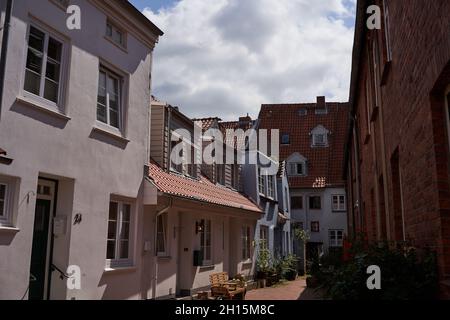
{"x": 409, "y": 127}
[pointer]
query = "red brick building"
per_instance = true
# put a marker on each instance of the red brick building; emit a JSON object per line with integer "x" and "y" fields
{"x": 397, "y": 152}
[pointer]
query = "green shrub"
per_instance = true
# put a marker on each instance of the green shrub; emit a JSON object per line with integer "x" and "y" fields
{"x": 403, "y": 274}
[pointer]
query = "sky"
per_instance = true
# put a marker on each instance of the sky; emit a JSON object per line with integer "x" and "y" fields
{"x": 227, "y": 57}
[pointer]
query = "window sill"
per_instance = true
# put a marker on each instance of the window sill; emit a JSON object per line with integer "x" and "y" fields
{"x": 42, "y": 107}
{"x": 116, "y": 44}
{"x": 110, "y": 132}
{"x": 9, "y": 230}
{"x": 119, "y": 270}
{"x": 247, "y": 262}
{"x": 164, "y": 257}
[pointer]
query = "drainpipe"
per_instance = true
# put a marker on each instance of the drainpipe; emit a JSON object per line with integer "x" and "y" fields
{"x": 155, "y": 257}
{"x": 5, "y": 40}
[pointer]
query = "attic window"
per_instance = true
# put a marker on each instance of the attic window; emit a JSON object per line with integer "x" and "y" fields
{"x": 321, "y": 111}
{"x": 319, "y": 140}
{"x": 285, "y": 138}
{"x": 115, "y": 34}
{"x": 319, "y": 137}
{"x": 303, "y": 112}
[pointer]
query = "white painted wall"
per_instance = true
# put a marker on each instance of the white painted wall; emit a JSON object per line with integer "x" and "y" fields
{"x": 89, "y": 166}
{"x": 326, "y": 217}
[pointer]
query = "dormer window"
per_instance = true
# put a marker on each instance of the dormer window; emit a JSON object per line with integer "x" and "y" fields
{"x": 303, "y": 112}
{"x": 319, "y": 137}
{"x": 296, "y": 165}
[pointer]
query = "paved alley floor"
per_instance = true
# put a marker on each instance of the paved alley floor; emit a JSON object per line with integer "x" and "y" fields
{"x": 294, "y": 290}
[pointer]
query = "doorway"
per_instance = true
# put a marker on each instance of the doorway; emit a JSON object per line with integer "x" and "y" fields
{"x": 42, "y": 240}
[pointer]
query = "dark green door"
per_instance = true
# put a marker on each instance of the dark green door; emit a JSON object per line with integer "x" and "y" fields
{"x": 39, "y": 252}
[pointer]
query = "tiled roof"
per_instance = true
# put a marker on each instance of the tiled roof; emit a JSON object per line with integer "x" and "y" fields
{"x": 234, "y": 125}
{"x": 207, "y": 122}
{"x": 201, "y": 190}
{"x": 2, "y": 152}
{"x": 324, "y": 164}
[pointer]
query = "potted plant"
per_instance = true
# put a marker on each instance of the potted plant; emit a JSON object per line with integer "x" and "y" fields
{"x": 289, "y": 267}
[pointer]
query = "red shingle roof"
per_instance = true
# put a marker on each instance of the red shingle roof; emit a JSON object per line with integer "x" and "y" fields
{"x": 324, "y": 164}
{"x": 244, "y": 124}
{"x": 207, "y": 122}
{"x": 202, "y": 189}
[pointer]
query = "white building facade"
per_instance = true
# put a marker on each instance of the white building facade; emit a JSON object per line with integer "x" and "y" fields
{"x": 74, "y": 122}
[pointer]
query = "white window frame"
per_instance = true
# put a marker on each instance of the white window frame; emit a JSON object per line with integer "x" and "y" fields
{"x": 339, "y": 206}
{"x": 6, "y": 218}
{"x": 333, "y": 238}
{"x": 39, "y": 100}
{"x": 118, "y": 262}
{"x": 261, "y": 183}
{"x": 203, "y": 233}
{"x": 271, "y": 186}
{"x": 246, "y": 242}
{"x": 293, "y": 169}
{"x": 165, "y": 218}
{"x": 120, "y": 108}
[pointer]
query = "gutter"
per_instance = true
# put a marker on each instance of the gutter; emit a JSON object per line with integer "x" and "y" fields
{"x": 360, "y": 31}
{"x": 5, "y": 40}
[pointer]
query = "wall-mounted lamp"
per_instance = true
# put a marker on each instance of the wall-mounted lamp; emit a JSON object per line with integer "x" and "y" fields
{"x": 198, "y": 226}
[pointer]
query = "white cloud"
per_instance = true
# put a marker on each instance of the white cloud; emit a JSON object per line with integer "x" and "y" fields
{"x": 226, "y": 57}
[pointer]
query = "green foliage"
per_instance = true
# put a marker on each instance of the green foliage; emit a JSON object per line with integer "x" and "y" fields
{"x": 264, "y": 259}
{"x": 403, "y": 274}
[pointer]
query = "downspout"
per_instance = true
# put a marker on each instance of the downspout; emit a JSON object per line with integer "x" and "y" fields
{"x": 5, "y": 40}
{"x": 155, "y": 257}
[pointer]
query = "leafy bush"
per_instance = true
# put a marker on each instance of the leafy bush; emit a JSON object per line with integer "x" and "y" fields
{"x": 403, "y": 274}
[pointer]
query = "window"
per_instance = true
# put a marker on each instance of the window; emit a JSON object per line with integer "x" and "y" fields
{"x": 4, "y": 203}
{"x": 315, "y": 227}
{"x": 303, "y": 112}
{"x": 297, "y": 202}
{"x": 246, "y": 242}
{"x": 119, "y": 223}
{"x": 264, "y": 236}
{"x": 43, "y": 66}
{"x": 271, "y": 187}
{"x": 296, "y": 169}
{"x": 109, "y": 98}
{"x": 285, "y": 139}
{"x": 335, "y": 238}
{"x": 320, "y": 111}
{"x": 234, "y": 176}
{"x": 387, "y": 31}
{"x": 161, "y": 235}
{"x": 205, "y": 242}
{"x": 338, "y": 202}
{"x": 261, "y": 182}
{"x": 315, "y": 202}
{"x": 115, "y": 34}
{"x": 220, "y": 174}
{"x": 319, "y": 140}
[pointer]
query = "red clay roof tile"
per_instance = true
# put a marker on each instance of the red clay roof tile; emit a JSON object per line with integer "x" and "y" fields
{"x": 202, "y": 190}
{"x": 324, "y": 164}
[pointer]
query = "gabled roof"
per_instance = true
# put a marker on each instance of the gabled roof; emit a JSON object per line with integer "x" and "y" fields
{"x": 324, "y": 163}
{"x": 207, "y": 123}
{"x": 244, "y": 124}
{"x": 200, "y": 190}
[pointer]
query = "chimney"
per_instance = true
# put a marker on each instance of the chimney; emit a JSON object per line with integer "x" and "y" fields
{"x": 245, "y": 119}
{"x": 321, "y": 104}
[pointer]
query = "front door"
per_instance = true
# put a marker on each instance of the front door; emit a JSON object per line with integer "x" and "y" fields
{"x": 39, "y": 269}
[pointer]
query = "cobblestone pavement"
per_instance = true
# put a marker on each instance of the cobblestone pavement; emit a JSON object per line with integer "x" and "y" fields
{"x": 294, "y": 290}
